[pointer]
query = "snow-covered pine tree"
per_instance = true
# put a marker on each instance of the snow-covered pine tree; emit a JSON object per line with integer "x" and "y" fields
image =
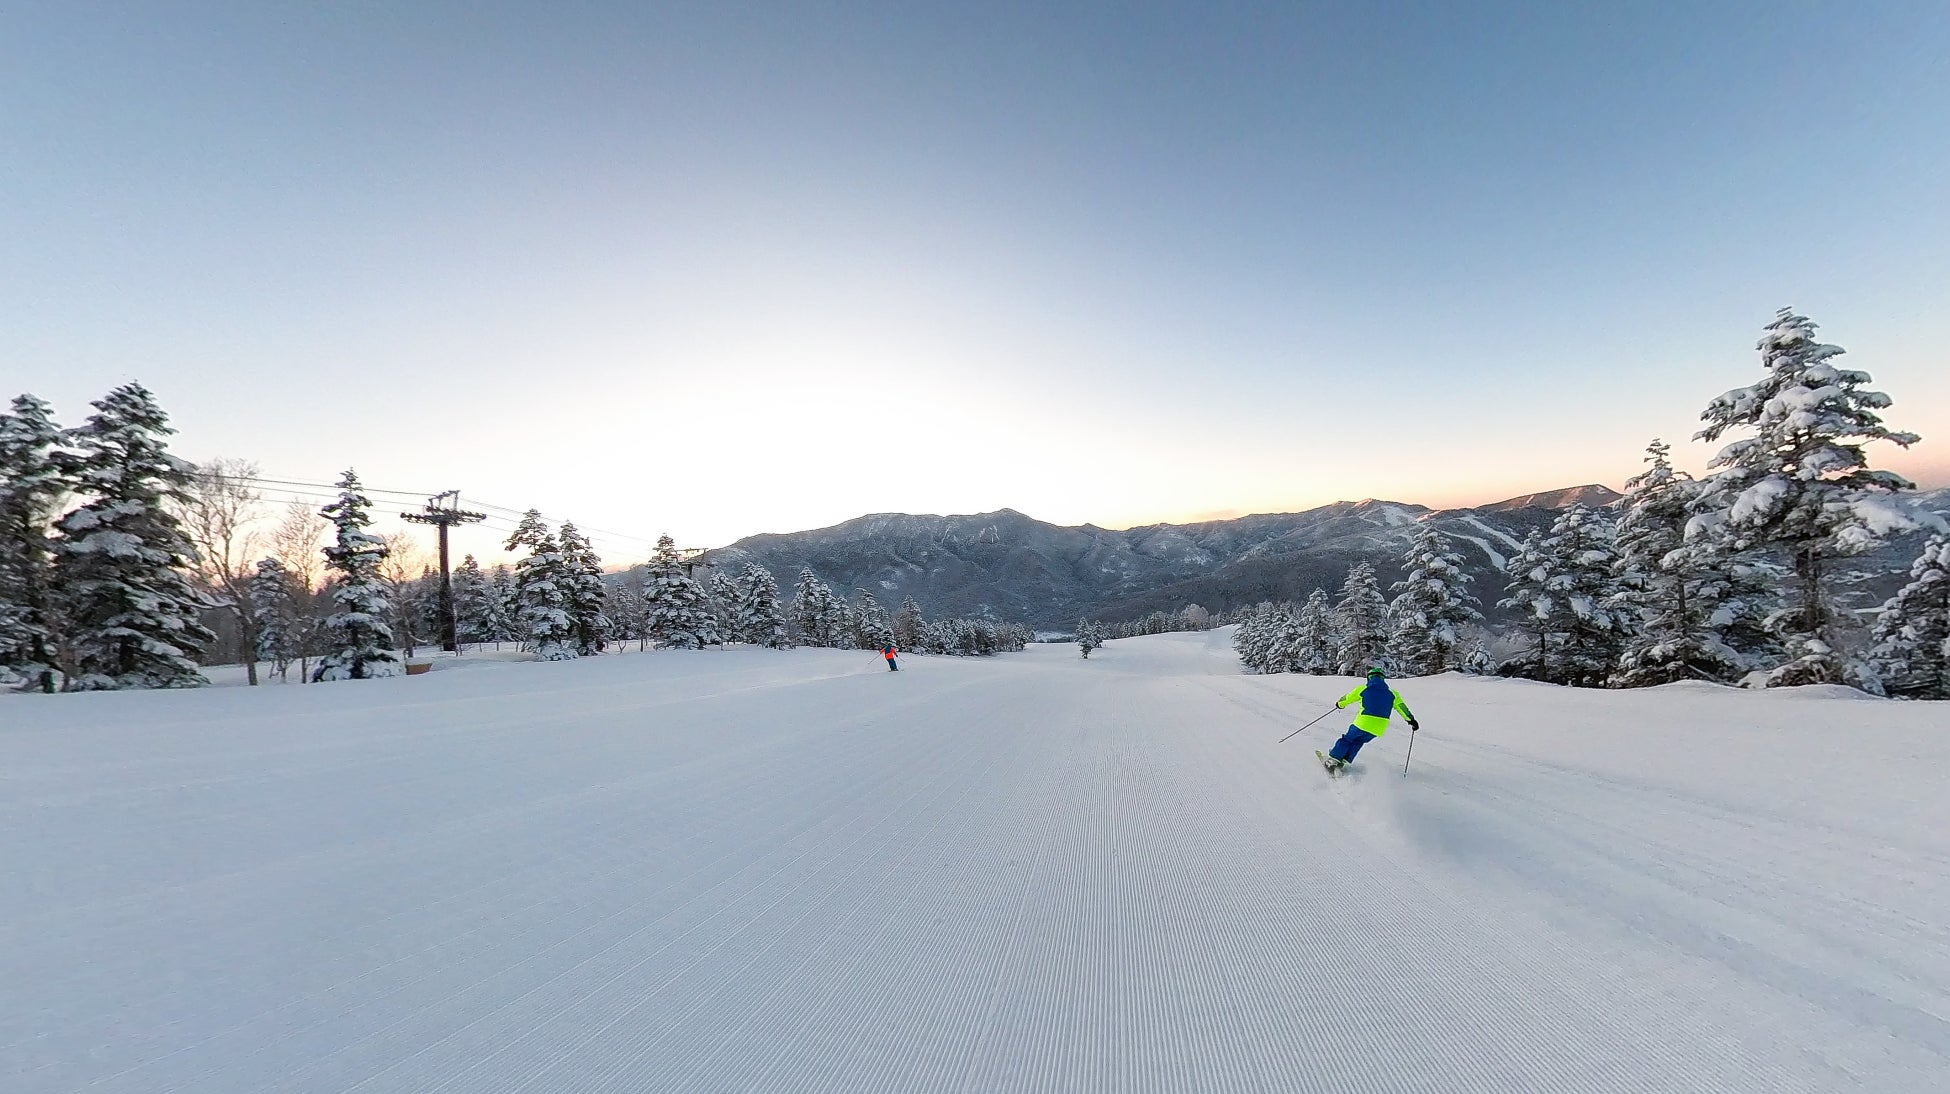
{"x": 506, "y": 603}
{"x": 34, "y": 476}
{"x": 840, "y": 624}
{"x": 709, "y": 632}
{"x": 1475, "y": 656}
{"x": 871, "y": 628}
{"x": 499, "y": 605}
{"x": 1360, "y": 623}
{"x": 734, "y": 622}
{"x": 1314, "y": 649}
{"x": 628, "y": 617}
{"x": 1432, "y": 607}
{"x": 759, "y": 617}
{"x": 1678, "y": 601}
{"x": 1543, "y": 574}
{"x": 1402, "y": 630}
{"x": 1802, "y": 485}
{"x": 426, "y": 606}
{"x": 1528, "y": 594}
{"x": 472, "y": 602}
{"x": 1911, "y": 651}
{"x": 1745, "y": 588}
{"x": 908, "y": 623}
{"x": 1250, "y": 639}
{"x": 587, "y": 591}
{"x": 1285, "y": 643}
{"x": 358, "y": 641}
{"x": 544, "y": 588}
{"x": 121, "y": 563}
{"x": 1664, "y": 644}
{"x": 724, "y": 605}
{"x": 812, "y": 609}
{"x": 1583, "y": 547}
{"x": 1088, "y": 637}
{"x": 275, "y": 594}
{"x": 676, "y": 614}
{"x": 1266, "y": 638}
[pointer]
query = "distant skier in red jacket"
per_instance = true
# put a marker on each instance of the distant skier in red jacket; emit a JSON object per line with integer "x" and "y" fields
{"x": 888, "y": 653}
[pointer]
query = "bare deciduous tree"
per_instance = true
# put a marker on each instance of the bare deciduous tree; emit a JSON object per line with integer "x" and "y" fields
{"x": 297, "y": 540}
{"x": 217, "y": 511}
{"x": 405, "y": 572}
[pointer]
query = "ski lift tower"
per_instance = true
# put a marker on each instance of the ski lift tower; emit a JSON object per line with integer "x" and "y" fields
{"x": 693, "y": 557}
{"x": 443, "y": 512}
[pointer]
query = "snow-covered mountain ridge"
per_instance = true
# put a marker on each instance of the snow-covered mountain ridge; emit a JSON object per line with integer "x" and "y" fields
{"x": 1047, "y": 574}
{"x": 1591, "y": 494}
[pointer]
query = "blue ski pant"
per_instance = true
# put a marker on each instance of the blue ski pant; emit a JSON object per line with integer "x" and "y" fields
{"x": 1350, "y": 743}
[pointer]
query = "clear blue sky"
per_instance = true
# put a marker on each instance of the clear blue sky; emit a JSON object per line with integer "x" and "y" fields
{"x": 678, "y": 267}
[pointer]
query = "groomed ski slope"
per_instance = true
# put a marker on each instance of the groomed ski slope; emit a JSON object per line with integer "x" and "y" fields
{"x": 795, "y": 871}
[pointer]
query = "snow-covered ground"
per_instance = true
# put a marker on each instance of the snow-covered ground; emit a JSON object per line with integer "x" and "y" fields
{"x": 796, "y": 871}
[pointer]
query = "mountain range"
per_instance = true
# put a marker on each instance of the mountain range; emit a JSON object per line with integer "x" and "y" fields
{"x": 1018, "y": 568}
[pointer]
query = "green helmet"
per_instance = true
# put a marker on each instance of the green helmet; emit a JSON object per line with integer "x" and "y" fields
{"x": 1376, "y": 671}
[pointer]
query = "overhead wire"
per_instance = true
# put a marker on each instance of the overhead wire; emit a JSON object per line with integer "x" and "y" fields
{"x": 501, "y": 518}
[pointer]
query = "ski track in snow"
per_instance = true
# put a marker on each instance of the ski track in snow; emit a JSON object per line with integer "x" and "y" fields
{"x": 763, "y": 871}
{"x": 1514, "y": 543}
{"x": 1496, "y": 559}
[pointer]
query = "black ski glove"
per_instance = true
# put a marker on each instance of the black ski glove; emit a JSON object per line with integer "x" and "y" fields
{"x": 1414, "y": 726}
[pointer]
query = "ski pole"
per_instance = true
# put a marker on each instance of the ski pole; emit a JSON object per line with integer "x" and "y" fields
{"x": 1304, "y": 728}
{"x": 1411, "y": 751}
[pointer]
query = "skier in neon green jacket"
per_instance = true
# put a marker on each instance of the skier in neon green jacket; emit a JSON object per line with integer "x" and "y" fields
{"x": 1378, "y": 704}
